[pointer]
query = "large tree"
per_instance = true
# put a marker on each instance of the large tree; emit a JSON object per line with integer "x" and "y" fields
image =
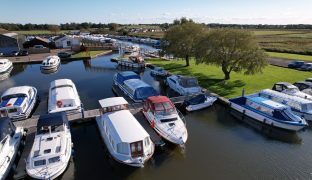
{"x": 231, "y": 49}
{"x": 181, "y": 38}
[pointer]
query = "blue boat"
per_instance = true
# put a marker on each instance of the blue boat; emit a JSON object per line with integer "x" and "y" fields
{"x": 138, "y": 90}
{"x": 121, "y": 77}
{"x": 268, "y": 112}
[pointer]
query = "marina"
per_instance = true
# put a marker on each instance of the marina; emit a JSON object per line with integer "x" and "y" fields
{"x": 230, "y": 146}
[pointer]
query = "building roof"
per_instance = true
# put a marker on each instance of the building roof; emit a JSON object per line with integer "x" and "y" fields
{"x": 10, "y": 34}
{"x": 41, "y": 39}
{"x": 114, "y": 101}
{"x": 125, "y": 127}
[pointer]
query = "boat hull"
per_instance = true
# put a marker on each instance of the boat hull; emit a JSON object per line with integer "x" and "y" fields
{"x": 266, "y": 120}
{"x": 207, "y": 103}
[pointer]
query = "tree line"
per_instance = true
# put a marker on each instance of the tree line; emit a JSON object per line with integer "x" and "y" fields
{"x": 88, "y": 25}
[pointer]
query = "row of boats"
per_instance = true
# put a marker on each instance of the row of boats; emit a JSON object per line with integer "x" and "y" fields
{"x": 125, "y": 138}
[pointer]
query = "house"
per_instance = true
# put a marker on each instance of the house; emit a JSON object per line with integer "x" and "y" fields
{"x": 37, "y": 41}
{"x": 67, "y": 42}
{"x": 10, "y": 42}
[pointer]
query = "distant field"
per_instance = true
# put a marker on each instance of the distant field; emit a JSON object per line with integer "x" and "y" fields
{"x": 38, "y": 32}
{"x": 157, "y": 35}
{"x": 290, "y": 56}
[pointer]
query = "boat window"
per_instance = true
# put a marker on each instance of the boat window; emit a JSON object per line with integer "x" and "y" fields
{"x": 147, "y": 141}
{"x": 40, "y": 162}
{"x": 306, "y": 107}
{"x": 123, "y": 148}
{"x": 62, "y": 86}
{"x": 278, "y": 88}
{"x": 44, "y": 130}
{"x": 164, "y": 108}
{"x": 47, "y": 151}
{"x": 13, "y": 110}
{"x": 188, "y": 82}
{"x": 57, "y": 128}
{"x": 136, "y": 149}
{"x": 172, "y": 80}
{"x": 54, "y": 159}
{"x": 4, "y": 98}
{"x": 168, "y": 120}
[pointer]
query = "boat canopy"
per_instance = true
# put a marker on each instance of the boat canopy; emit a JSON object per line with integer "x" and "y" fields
{"x": 201, "y": 98}
{"x": 161, "y": 105}
{"x": 124, "y": 127}
{"x": 6, "y": 127}
{"x": 52, "y": 120}
{"x": 188, "y": 81}
{"x": 139, "y": 89}
{"x": 126, "y": 75}
{"x": 294, "y": 102}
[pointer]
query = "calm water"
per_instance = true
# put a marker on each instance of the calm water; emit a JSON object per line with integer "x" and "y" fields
{"x": 219, "y": 145}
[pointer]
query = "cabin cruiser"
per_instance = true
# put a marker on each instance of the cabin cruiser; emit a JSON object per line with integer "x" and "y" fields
{"x": 268, "y": 112}
{"x": 184, "y": 85}
{"x": 300, "y": 106}
{"x": 290, "y": 89}
{"x": 63, "y": 96}
{"x": 10, "y": 139}
{"x": 18, "y": 102}
{"x": 138, "y": 90}
{"x": 52, "y": 147}
{"x": 198, "y": 102}
{"x": 159, "y": 71}
{"x": 5, "y": 65}
{"x": 132, "y": 61}
{"x": 161, "y": 113}
{"x": 125, "y": 138}
{"x": 51, "y": 62}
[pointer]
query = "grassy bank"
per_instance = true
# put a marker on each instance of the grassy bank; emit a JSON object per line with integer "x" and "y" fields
{"x": 90, "y": 54}
{"x": 211, "y": 77}
{"x": 290, "y": 56}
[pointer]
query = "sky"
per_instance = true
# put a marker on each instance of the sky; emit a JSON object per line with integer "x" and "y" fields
{"x": 156, "y": 11}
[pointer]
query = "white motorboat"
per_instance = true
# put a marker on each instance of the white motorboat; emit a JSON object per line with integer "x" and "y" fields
{"x": 165, "y": 119}
{"x": 198, "y": 102}
{"x": 290, "y": 89}
{"x": 159, "y": 71}
{"x": 52, "y": 147}
{"x": 184, "y": 85}
{"x": 10, "y": 139}
{"x": 51, "y": 62}
{"x": 6, "y": 75}
{"x": 125, "y": 138}
{"x": 18, "y": 102}
{"x": 5, "y": 65}
{"x": 63, "y": 96}
{"x": 268, "y": 112}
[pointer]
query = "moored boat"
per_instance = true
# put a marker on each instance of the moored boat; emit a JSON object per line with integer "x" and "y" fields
{"x": 10, "y": 139}
{"x": 138, "y": 90}
{"x": 268, "y": 112}
{"x": 18, "y": 102}
{"x": 290, "y": 89}
{"x": 63, "y": 96}
{"x": 132, "y": 61}
{"x": 159, "y": 71}
{"x": 120, "y": 77}
{"x": 5, "y": 65}
{"x": 52, "y": 147}
{"x": 198, "y": 102}
{"x": 125, "y": 138}
{"x": 184, "y": 85}
{"x": 162, "y": 115}
{"x": 51, "y": 62}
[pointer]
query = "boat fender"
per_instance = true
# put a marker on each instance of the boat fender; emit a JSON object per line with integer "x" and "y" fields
{"x": 59, "y": 103}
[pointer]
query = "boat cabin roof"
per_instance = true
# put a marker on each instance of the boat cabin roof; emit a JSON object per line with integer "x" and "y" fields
{"x": 17, "y": 90}
{"x": 53, "y": 119}
{"x": 114, "y": 101}
{"x": 61, "y": 82}
{"x": 267, "y": 102}
{"x": 125, "y": 127}
{"x": 136, "y": 83}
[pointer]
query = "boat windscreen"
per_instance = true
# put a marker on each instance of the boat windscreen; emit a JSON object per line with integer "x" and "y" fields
{"x": 4, "y": 98}
{"x": 168, "y": 120}
{"x": 188, "y": 82}
{"x": 54, "y": 128}
{"x": 164, "y": 109}
{"x": 306, "y": 107}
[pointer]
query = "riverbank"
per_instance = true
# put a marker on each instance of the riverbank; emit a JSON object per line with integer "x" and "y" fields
{"x": 211, "y": 77}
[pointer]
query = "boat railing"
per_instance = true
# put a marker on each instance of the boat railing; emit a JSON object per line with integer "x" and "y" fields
{"x": 182, "y": 117}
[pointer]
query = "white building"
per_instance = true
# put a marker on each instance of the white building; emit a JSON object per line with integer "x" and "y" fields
{"x": 67, "y": 42}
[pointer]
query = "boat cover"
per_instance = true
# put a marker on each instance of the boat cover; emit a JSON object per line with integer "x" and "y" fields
{"x": 201, "y": 98}
{"x": 126, "y": 75}
{"x": 6, "y": 127}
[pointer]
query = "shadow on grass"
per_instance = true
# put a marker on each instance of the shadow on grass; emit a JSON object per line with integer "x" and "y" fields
{"x": 210, "y": 82}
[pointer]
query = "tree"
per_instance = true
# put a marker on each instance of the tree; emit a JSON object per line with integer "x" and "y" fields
{"x": 180, "y": 40}
{"x": 54, "y": 29}
{"x": 233, "y": 50}
{"x": 113, "y": 26}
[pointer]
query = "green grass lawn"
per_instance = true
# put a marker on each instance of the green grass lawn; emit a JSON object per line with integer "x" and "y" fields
{"x": 290, "y": 56}
{"x": 90, "y": 53}
{"x": 211, "y": 77}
